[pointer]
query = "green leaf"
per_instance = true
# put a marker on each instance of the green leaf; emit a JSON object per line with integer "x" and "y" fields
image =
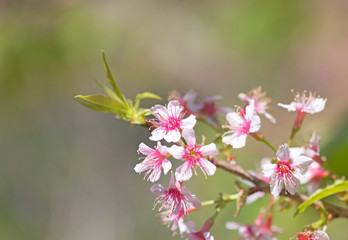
{"x": 145, "y": 95}
{"x": 112, "y": 80}
{"x": 109, "y": 92}
{"x": 101, "y": 103}
{"x": 336, "y": 187}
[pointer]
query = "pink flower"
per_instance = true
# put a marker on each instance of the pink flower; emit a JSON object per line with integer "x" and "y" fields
{"x": 188, "y": 102}
{"x": 203, "y": 234}
{"x": 175, "y": 198}
{"x": 260, "y": 102}
{"x": 317, "y": 235}
{"x": 193, "y": 154}
{"x": 261, "y": 229}
{"x": 241, "y": 124}
{"x": 288, "y": 171}
{"x": 170, "y": 122}
{"x": 311, "y": 104}
{"x": 155, "y": 161}
{"x": 175, "y": 221}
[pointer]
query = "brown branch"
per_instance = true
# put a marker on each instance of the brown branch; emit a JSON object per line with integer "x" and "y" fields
{"x": 261, "y": 185}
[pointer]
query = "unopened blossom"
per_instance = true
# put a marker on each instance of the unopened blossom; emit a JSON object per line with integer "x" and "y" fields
{"x": 260, "y": 102}
{"x": 169, "y": 122}
{"x": 288, "y": 171}
{"x": 241, "y": 124}
{"x": 193, "y": 155}
{"x": 203, "y": 234}
{"x": 154, "y": 162}
{"x": 174, "y": 199}
{"x": 317, "y": 235}
{"x": 261, "y": 229}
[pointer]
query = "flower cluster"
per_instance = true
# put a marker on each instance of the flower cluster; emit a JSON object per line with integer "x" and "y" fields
{"x": 175, "y": 124}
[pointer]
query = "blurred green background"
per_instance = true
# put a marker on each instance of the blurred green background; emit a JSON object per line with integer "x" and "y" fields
{"x": 67, "y": 172}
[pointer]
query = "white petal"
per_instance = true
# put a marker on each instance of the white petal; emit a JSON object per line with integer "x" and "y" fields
{"x": 191, "y": 198}
{"x": 276, "y": 186}
{"x": 268, "y": 169}
{"x": 166, "y": 165}
{"x": 227, "y": 139}
{"x": 239, "y": 141}
{"x": 283, "y": 153}
{"x": 232, "y": 225}
{"x": 157, "y": 134}
{"x": 159, "y": 111}
{"x": 253, "y": 197}
{"x": 291, "y": 184}
{"x": 297, "y": 151}
{"x": 174, "y": 107}
{"x": 302, "y": 163}
{"x": 270, "y": 117}
{"x": 317, "y": 105}
{"x": 255, "y": 124}
{"x": 189, "y": 135}
{"x": 189, "y": 122}
{"x": 162, "y": 149}
{"x": 172, "y": 136}
{"x": 144, "y": 149}
{"x": 321, "y": 235}
{"x": 176, "y": 151}
{"x": 249, "y": 110}
{"x": 290, "y": 107}
{"x": 209, "y": 149}
{"x": 243, "y": 96}
{"x": 183, "y": 172}
{"x": 208, "y": 167}
{"x": 141, "y": 167}
{"x": 234, "y": 118}
{"x": 155, "y": 175}
{"x": 157, "y": 189}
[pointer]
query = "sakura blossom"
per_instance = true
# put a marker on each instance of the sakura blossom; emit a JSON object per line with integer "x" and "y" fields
{"x": 169, "y": 122}
{"x": 305, "y": 104}
{"x": 174, "y": 199}
{"x": 193, "y": 155}
{"x": 175, "y": 221}
{"x": 188, "y": 102}
{"x": 317, "y": 235}
{"x": 203, "y": 234}
{"x": 261, "y": 229}
{"x": 260, "y": 102}
{"x": 154, "y": 162}
{"x": 288, "y": 171}
{"x": 241, "y": 124}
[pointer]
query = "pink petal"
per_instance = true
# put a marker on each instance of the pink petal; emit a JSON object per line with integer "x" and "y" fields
{"x": 249, "y": 110}
{"x": 291, "y": 183}
{"x": 283, "y": 153}
{"x": 189, "y": 123}
{"x": 162, "y": 149}
{"x": 172, "y": 181}
{"x": 155, "y": 175}
{"x": 157, "y": 189}
{"x": 183, "y": 172}
{"x": 174, "y": 107}
{"x": 172, "y": 136}
{"x": 176, "y": 151}
{"x": 234, "y": 118}
{"x": 209, "y": 149}
{"x": 267, "y": 168}
{"x": 321, "y": 235}
{"x": 191, "y": 198}
{"x": 302, "y": 163}
{"x": 232, "y": 225}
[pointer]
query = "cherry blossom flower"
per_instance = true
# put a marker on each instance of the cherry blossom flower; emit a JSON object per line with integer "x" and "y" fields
{"x": 311, "y": 104}
{"x": 260, "y": 102}
{"x": 240, "y": 125}
{"x": 188, "y": 102}
{"x": 203, "y": 234}
{"x": 193, "y": 154}
{"x": 170, "y": 122}
{"x": 288, "y": 171}
{"x": 303, "y": 105}
{"x": 261, "y": 229}
{"x": 317, "y": 235}
{"x": 315, "y": 172}
{"x": 155, "y": 161}
{"x": 174, "y": 199}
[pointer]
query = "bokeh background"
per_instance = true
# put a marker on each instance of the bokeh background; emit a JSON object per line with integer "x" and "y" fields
{"x": 66, "y": 172}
